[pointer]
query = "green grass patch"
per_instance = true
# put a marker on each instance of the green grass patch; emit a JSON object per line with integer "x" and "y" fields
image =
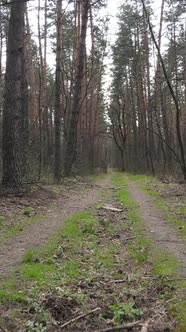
{"x": 164, "y": 264}
{"x": 9, "y": 293}
{"x": 118, "y": 179}
{"x": 148, "y": 191}
{"x": 139, "y": 178}
{"x": 39, "y": 272}
{"x": 28, "y": 210}
{"x": 125, "y": 199}
{"x": 29, "y": 256}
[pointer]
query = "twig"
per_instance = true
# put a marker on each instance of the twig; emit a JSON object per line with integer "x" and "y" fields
{"x": 79, "y": 317}
{"x": 130, "y": 238}
{"x": 172, "y": 241}
{"x": 121, "y": 327}
{"x": 119, "y": 281}
{"x": 176, "y": 279}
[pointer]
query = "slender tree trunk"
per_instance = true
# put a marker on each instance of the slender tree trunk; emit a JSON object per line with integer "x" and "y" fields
{"x": 33, "y": 89}
{"x": 72, "y": 133}
{"x": 58, "y": 101}
{"x": 91, "y": 112}
{"x": 24, "y": 110}
{"x": 159, "y": 105}
{"x": 1, "y": 87}
{"x": 40, "y": 64}
{"x": 12, "y": 112}
{"x": 44, "y": 94}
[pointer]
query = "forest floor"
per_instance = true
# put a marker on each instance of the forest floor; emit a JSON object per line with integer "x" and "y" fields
{"x": 96, "y": 254}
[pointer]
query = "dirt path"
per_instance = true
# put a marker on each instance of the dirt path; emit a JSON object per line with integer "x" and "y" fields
{"x": 37, "y": 234}
{"x": 158, "y": 229}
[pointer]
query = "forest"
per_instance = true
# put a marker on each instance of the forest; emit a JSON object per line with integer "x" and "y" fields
{"x": 76, "y": 115}
{"x": 92, "y": 165}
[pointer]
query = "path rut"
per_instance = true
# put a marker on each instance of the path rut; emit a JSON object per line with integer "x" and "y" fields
{"x": 37, "y": 234}
{"x": 158, "y": 229}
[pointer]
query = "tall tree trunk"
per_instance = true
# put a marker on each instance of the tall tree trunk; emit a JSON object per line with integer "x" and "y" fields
{"x": 150, "y": 141}
{"x": 40, "y": 64}
{"x": 24, "y": 110}
{"x": 58, "y": 101}
{"x": 12, "y": 150}
{"x": 91, "y": 112}
{"x": 32, "y": 79}
{"x": 44, "y": 94}
{"x": 160, "y": 110}
{"x": 76, "y": 105}
{"x": 1, "y": 84}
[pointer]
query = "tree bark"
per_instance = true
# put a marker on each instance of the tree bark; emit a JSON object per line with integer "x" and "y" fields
{"x": 58, "y": 97}
{"x": 76, "y": 105}
{"x": 32, "y": 79}
{"x": 12, "y": 151}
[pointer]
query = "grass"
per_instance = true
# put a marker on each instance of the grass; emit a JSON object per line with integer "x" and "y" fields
{"x": 29, "y": 256}
{"x": 9, "y": 293}
{"x": 39, "y": 272}
{"x": 125, "y": 199}
{"x": 118, "y": 179}
{"x": 139, "y": 178}
{"x": 28, "y": 210}
{"x": 164, "y": 264}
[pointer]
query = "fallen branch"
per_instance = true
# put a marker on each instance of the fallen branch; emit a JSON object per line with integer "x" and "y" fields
{"x": 79, "y": 317}
{"x": 122, "y": 327}
{"x": 111, "y": 208}
{"x": 130, "y": 238}
{"x": 119, "y": 281}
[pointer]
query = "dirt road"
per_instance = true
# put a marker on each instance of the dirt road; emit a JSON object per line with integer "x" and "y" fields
{"x": 157, "y": 228}
{"x": 37, "y": 234}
